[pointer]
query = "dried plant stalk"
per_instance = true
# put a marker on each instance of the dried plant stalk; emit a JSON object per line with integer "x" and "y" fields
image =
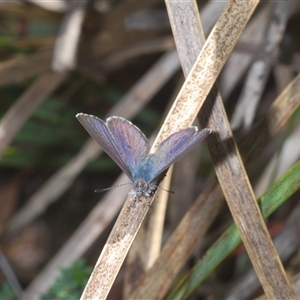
{"x": 180, "y": 245}
{"x": 230, "y": 172}
{"x": 141, "y": 255}
{"x": 186, "y": 107}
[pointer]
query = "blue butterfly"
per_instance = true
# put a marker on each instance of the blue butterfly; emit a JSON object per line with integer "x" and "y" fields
{"x": 129, "y": 148}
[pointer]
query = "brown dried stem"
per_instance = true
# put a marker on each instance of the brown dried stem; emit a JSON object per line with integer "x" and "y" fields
{"x": 185, "y": 109}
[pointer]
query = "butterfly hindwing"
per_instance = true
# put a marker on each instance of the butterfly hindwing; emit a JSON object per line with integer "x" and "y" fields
{"x": 131, "y": 143}
{"x": 174, "y": 147}
{"x": 102, "y": 135}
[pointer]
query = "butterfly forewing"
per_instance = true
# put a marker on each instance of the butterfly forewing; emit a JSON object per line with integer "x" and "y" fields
{"x": 100, "y": 132}
{"x": 175, "y": 146}
{"x": 131, "y": 143}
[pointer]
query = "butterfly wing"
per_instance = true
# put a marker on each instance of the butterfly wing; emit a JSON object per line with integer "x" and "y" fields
{"x": 133, "y": 146}
{"x": 174, "y": 147}
{"x": 101, "y": 134}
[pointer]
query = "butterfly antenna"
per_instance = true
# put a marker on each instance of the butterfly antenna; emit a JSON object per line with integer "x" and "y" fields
{"x": 110, "y": 188}
{"x": 168, "y": 191}
{"x": 156, "y": 195}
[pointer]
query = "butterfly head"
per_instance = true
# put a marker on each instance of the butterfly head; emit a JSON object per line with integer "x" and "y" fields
{"x": 141, "y": 188}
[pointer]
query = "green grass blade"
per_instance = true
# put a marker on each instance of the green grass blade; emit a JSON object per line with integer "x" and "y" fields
{"x": 278, "y": 193}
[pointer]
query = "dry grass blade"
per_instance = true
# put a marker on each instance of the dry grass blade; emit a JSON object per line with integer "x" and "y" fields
{"x": 181, "y": 244}
{"x": 142, "y": 255}
{"x": 280, "y": 162}
{"x": 147, "y": 245}
{"x": 259, "y": 72}
{"x": 238, "y": 193}
{"x": 239, "y": 61}
{"x": 10, "y": 275}
{"x": 65, "y": 49}
{"x": 184, "y": 111}
{"x": 296, "y": 286}
{"x": 234, "y": 166}
{"x": 207, "y": 68}
{"x": 20, "y": 68}
{"x": 270, "y": 124}
{"x": 58, "y": 6}
{"x": 115, "y": 60}
{"x": 246, "y": 214}
{"x": 22, "y": 9}
{"x": 25, "y": 106}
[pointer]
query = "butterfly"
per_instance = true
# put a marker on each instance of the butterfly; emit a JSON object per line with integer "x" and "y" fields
{"x": 129, "y": 148}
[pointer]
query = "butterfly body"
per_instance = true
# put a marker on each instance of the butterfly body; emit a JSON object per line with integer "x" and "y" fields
{"x": 129, "y": 148}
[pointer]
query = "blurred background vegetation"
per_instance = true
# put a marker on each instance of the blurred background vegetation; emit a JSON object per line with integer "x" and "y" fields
{"x": 117, "y": 43}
